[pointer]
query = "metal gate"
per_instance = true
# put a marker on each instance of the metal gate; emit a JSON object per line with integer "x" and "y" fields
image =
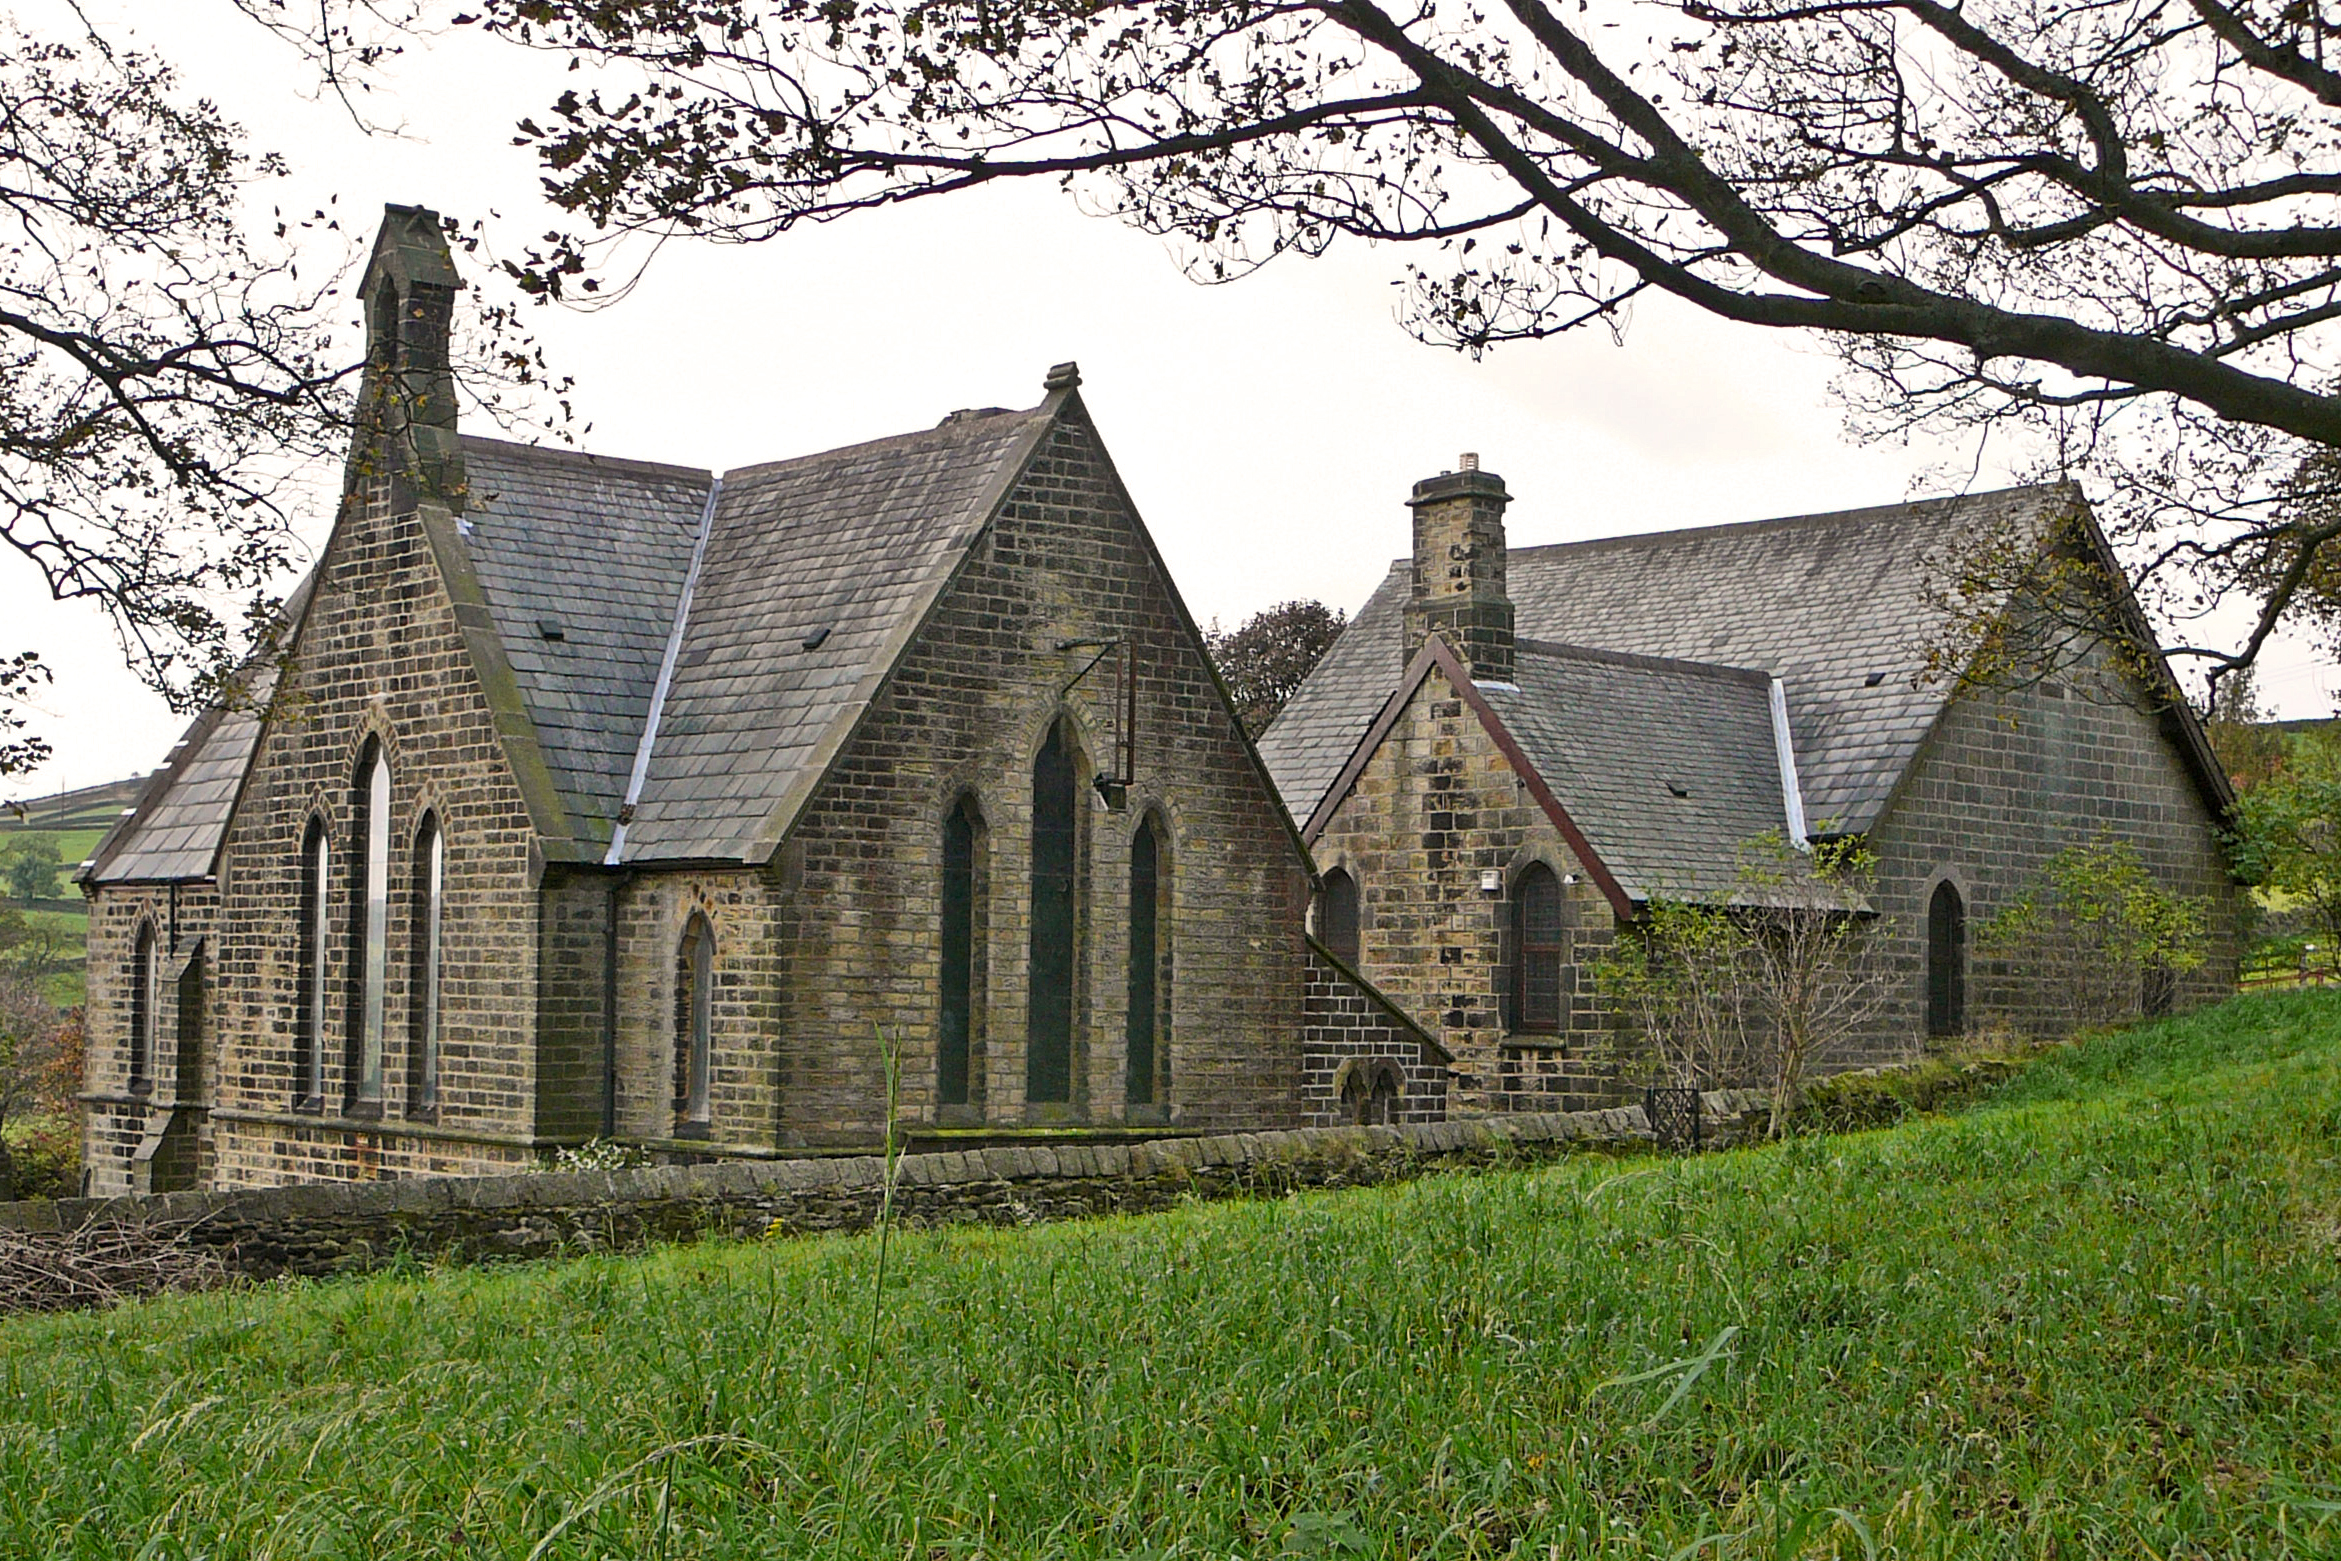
{"x": 1674, "y": 1117}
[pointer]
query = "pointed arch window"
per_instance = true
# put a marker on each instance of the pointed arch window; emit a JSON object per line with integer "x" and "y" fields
{"x": 430, "y": 880}
{"x": 370, "y": 929}
{"x": 694, "y": 1027}
{"x": 309, "y": 1020}
{"x": 1048, "y": 1060}
{"x": 142, "y": 988}
{"x": 1149, "y": 946}
{"x": 1946, "y": 962}
{"x": 1337, "y": 920}
{"x": 1538, "y": 941}
{"x": 956, "y": 1020}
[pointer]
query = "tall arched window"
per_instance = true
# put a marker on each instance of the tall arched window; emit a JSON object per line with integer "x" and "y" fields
{"x": 1946, "y": 962}
{"x": 370, "y": 925}
{"x": 1148, "y": 942}
{"x": 957, "y": 1017}
{"x": 1538, "y": 948}
{"x": 1337, "y": 915}
{"x": 142, "y": 982}
{"x": 316, "y": 919}
{"x": 1048, "y": 1057}
{"x": 694, "y": 1026}
{"x": 430, "y": 879}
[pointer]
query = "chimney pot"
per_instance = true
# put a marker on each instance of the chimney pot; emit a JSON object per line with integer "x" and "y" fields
{"x": 1471, "y": 460}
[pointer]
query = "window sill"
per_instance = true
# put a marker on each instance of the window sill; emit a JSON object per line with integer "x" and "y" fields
{"x": 1536, "y": 1040}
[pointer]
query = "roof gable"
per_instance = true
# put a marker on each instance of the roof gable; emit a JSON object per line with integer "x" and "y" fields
{"x": 816, "y": 573}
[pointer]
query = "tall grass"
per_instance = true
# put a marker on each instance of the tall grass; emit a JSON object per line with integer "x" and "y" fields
{"x": 2100, "y": 1317}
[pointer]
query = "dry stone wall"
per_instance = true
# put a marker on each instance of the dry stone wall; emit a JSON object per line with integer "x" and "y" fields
{"x": 324, "y": 1229}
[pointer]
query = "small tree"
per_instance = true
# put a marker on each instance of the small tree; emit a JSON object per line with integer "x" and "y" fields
{"x": 32, "y": 869}
{"x": 1267, "y": 658}
{"x": 2288, "y": 829}
{"x": 1680, "y": 980}
{"x": 2096, "y": 933}
{"x": 1811, "y": 963}
{"x": 2252, "y": 751}
{"x": 32, "y": 1063}
{"x": 1766, "y": 990}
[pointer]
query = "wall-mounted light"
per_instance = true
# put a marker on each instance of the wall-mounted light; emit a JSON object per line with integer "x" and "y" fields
{"x": 1568, "y": 877}
{"x": 1491, "y": 880}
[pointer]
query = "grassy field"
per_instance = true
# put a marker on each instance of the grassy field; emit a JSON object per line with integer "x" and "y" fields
{"x": 2100, "y": 1316}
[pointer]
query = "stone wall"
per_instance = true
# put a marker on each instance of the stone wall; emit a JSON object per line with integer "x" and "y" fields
{"x": 1438, "y": 803}
{"x": 1351, "y": 1027}
{"x": 840, "y": 937}
{"x": 381, "y": 652}
{"x": 2009, "y": 777}
{"x": 338, "y": 1229}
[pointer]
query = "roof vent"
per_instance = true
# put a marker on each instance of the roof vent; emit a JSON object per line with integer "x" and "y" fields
{"x": 814, "y": 640}
{"x": 971, "y": 414}
{"x": 1677, "y": 788}
{"x": 551, "y": 629}
{"x": 1873, "y": 680}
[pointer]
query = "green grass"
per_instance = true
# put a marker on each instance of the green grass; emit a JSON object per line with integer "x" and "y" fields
{"x": 2100, "y": 1316}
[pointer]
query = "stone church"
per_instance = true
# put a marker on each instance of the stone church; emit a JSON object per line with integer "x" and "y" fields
{"x": 597, "y": 797}
{"x": 1510, "y": 752}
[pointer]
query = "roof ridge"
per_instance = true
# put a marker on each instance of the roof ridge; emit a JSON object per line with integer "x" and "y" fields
{"x": 955, "y": 422}
{"x": 1627, "y": 658}
{"x": 1817, "y": 518}
{"x": 587, "y": 457}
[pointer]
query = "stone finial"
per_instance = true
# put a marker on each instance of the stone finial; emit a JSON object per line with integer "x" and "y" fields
{"x": 1064, "y": 376}
{"x": 1459, "y": 592}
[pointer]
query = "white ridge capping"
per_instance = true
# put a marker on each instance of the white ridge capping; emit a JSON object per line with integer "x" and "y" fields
{"x": 1784, "y": 749}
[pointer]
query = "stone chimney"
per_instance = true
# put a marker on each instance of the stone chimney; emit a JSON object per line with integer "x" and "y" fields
{"x": 406, "y": 404}
{"x": 1459, "y": 570}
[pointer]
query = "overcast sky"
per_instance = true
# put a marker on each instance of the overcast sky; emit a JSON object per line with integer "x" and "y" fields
{"x": 1269, "y": 429}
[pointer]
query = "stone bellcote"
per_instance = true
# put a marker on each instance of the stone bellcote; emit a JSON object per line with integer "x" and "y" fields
{"x": 1459, "y": 590}
{"x": 408, "y": 394}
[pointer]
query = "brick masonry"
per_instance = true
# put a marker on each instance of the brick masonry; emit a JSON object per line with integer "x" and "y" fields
{"x": 1438, "y": 804}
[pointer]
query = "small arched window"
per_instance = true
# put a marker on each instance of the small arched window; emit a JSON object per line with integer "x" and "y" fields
{"x": 371, "y": 930}
{"x": 694, "y": 1026}
{"x": 1538, "y": 943}
{"x": 1048, "y": 1058}
{"x": 1148, "y": 943}
{"x": 430, "y": 879}
{"x": 316, "y": 919}
{"x": 956, "y": 1017}
{"x": 1946, "y": 962}
{"x": 142, "y": 986}
{"x": 1337, "y": 915}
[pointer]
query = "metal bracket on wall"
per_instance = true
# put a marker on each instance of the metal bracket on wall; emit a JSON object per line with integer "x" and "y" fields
{"x": 1113, "y": 788}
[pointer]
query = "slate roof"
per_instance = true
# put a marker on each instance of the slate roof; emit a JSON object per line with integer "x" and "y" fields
{"x": 596, "y": 550}
{"x": 1668, "y": 767}
{"x": 1835, "y": 605}
{"x": 816, "y": 573}
{"x": 174, "y": 831}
